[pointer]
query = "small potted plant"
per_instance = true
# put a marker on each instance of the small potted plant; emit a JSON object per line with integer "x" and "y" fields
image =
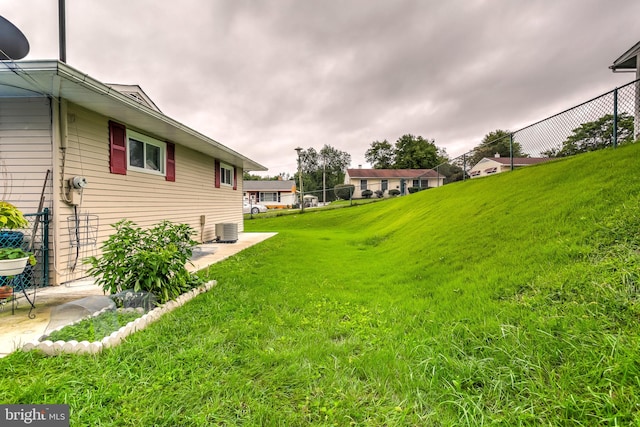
{"x": 13, "y": 259}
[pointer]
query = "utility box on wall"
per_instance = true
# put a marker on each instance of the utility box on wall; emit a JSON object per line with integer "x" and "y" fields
{"x": 227, "y": 232}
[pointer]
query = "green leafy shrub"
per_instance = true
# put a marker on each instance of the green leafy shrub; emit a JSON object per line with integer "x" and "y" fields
{"x": 344, "y": 191}
{"x": 394, "y": 192}
{"x": 11, "y": 218}
{"x": 415, "y": 189}
{"x": 152, "y": 260}
{"x": 367, "y": 194}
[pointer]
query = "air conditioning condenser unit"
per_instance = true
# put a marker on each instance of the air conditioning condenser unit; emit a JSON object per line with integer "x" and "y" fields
{"x": 227, "y": 232}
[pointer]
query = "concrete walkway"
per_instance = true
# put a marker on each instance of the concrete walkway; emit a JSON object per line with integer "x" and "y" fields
{"x": 18, "y": 329}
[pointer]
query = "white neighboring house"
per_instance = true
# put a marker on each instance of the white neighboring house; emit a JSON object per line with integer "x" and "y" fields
{"x": 497, "y": 164}
{"x": 272, "y": 194}
{"x": 391, "y": 179}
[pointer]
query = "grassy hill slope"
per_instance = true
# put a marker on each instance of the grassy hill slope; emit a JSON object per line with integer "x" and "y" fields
{"x": 508, "y": 300}
{"x": 522, "y": 287}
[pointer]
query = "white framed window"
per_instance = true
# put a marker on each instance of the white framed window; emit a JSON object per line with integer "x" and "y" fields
{"x": 384, "y": 184}
{"x": 491, "y": 170}
{"x": 268, "y": 197}
{"x": 363, "y": 184}
{"x": 146, "y": 154}
{"x": 226, "y": 174}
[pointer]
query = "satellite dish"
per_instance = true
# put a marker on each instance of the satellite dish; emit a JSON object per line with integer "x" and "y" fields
{"x": 13, "y": 44}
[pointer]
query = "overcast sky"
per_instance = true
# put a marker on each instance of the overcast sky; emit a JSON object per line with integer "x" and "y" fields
{"x": 266, "y": 76}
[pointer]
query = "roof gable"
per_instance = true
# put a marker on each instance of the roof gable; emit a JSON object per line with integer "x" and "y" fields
{"x": 627, "y": 61}
{"x": 520, "y": 160}
{"x": 135, "y": 92}
{"x": 487, "y": 160}
{"x": 517, "y": 161}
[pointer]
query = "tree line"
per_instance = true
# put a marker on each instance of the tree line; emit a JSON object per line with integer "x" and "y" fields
{"x": 326, "y": 168}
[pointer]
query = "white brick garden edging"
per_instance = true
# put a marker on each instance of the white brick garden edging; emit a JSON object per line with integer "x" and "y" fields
{"x": 85, "y": 347}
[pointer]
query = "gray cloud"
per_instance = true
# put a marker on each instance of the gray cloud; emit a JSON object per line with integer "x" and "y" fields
{"x": 264, "y": 77}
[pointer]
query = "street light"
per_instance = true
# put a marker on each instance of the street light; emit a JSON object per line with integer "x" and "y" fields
{"x": 299, "y": 149}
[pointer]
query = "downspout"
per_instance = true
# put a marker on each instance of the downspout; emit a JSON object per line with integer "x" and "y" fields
{"x": 63, "y": 129}
{"x": 59, "y": 161}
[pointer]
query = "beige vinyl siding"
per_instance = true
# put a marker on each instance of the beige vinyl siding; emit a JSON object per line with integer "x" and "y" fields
{"x": 375, "y": 184}
{"x": 25, "y": 151}
{"x": 394, "y": 184}
{"x": 146, "y": 199}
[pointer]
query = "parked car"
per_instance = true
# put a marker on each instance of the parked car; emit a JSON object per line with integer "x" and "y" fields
{"x": 253, "y": 208}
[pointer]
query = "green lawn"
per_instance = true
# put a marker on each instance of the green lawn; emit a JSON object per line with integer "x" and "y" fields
{"x": 509, "y": 300}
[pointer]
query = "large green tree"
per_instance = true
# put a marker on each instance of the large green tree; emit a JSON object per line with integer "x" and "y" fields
{"x": 452, "y": 172}
{"x": 409, "y": 152}
{"x": 417, "y": 153}
{"x": 381, "y": 155}
{"x": 595, "y": 135}
{"x": 330, "y": 162}
{"x": 497, "y": 141}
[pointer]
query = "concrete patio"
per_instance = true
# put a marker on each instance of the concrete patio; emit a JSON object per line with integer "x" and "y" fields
{"x": 18, "y": 329}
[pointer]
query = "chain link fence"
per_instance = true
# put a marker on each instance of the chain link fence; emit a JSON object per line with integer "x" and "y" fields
{"x": 608, "y": 120}
{"x": 33, "y": 238}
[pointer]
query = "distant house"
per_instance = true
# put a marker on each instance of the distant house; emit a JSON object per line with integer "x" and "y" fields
{"x": 497, "y": 164}
{"x": 272, "y": 194}
{"x": 112, "y": 154}
{"x": 390, "y": 179}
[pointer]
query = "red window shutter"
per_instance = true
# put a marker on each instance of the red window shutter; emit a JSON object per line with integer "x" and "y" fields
{"x": 171, "y": 162}
{"x": 117, "y": 148}
{"x": 217, "y": 166}
{"x": 235, "y": 178}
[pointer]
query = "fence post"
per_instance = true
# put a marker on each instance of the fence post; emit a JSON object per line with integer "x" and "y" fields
{"x": 45, "y": 245}
{"x": 615, "y": 118}
{"x": 511, "y": 149}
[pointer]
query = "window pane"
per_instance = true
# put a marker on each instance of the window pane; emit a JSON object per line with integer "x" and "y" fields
{"x": 136, "y": 153}
{"x": 268, "y": 197}
{"x": 226, "y": 176}
{"x": 363, "y": 184}
{"x": 153, "y": 157}
{"x": 385, "y": 185}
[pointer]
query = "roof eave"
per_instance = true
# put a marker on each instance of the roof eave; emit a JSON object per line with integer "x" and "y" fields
{"x": 59, "y": 80}
{"x": 628, "y": 60}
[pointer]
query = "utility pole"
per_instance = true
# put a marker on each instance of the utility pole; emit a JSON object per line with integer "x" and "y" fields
{"x": 299, "y": 149}
{"x": 324, "y": 181}
{"x": 62, "y": 31}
